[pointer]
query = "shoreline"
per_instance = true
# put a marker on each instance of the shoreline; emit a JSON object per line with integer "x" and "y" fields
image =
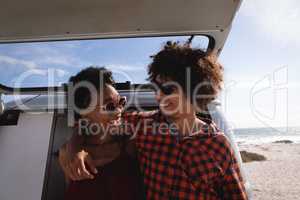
{"x": 276, "y": 177}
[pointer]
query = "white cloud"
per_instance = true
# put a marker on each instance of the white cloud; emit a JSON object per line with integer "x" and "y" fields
{"x": 61, "y": 72}
{"x": 41, "y": 72}
{"x": 125, "y": 68}
{"x": 56, "y": 60}
{"x": 48, "y": 54}
{"x": 278, "y": 19}
{"x": 14, "y": 61}
{"x": 29, "y": 66}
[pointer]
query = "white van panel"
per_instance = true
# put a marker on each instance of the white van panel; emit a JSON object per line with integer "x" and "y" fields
{"x": 35, "y": 20}
{"x": 23, "y": 156}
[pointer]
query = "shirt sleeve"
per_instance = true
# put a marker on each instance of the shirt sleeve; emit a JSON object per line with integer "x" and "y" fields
{"x": 130, "y": 123}
{"x": 131, "y": 117}
{"x": 134, "y": 122}
{"x": 233, "y": 186}
{"x": 212, "y": 166}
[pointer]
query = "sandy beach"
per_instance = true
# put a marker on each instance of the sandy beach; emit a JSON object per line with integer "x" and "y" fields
{"x": 278, "y": 177}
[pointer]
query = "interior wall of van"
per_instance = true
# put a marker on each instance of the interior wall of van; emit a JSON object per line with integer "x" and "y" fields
{"x": 23, "y": 155}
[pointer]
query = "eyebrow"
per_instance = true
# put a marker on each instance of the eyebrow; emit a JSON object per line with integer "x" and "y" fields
{"x": 108, "y": 99}
{"x": 111, "y": 98}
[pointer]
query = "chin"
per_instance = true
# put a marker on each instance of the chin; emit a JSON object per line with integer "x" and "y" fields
{"x": 170, "y": 112}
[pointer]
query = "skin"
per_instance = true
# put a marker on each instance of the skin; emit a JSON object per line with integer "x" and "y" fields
{"x": 184, "y": 118}
{"x": 177, "y": 108}
{"x": 97, "y": 150}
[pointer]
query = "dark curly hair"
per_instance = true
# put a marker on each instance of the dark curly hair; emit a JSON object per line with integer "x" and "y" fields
{"x": 97, "y": 76}
{"x": 175, "y": 60}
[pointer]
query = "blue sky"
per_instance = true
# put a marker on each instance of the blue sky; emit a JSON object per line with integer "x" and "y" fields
{"x": 260, "y": 60}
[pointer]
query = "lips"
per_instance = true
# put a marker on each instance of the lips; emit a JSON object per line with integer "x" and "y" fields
{"x": 116, "y": 122}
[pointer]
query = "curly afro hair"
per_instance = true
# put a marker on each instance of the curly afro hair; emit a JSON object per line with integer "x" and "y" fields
{"x": 98, "y": 77}
{"x": 196, "y": 71}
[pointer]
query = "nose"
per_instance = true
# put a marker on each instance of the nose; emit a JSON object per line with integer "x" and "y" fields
{"x": 158, "y": 96}
{"x": 119, "y": 110}
{"x": 116, "y": 114}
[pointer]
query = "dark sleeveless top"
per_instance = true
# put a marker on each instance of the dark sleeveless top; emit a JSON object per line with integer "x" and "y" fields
{"x": 117, "y": 180}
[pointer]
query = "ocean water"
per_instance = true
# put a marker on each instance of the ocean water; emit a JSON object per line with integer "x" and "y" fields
{"x": 266, "y": 135}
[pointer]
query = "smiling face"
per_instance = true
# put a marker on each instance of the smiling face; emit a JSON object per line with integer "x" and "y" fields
{"x": 197, "y": 72}
{"x": 171, "y": 98}
{"x": 108, "y": 108}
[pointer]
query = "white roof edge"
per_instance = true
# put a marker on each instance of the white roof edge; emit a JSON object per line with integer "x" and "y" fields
{"x": 66, "y": 37}
{"x": 40, "y": 103}
{"x": 35, "y": 20}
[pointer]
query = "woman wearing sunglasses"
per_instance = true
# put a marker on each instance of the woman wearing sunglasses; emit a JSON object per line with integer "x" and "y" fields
{"x": 113, "y": 173}
{"x": 182, "y": 156}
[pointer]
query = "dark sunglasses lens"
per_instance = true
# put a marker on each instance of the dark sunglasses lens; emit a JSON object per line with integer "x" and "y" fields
{"x": 122, "y": 101}
{"x": 155, "y": 89}
{"x": 110, "y": 107}
{"x": 167, "y": 90}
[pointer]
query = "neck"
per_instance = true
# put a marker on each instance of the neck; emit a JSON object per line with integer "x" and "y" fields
{"x": 90, "y": 128}
{"x": 188, "y": 123}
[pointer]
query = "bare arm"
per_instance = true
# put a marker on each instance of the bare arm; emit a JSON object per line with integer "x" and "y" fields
{"x": 74, "y": 160}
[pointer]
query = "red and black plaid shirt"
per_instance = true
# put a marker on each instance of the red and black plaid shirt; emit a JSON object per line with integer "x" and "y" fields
{"x": 202, "y": 166}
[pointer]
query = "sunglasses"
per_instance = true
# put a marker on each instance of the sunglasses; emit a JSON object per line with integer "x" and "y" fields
{"x": 167, "y": 90}
{"x": 113, "y": 106}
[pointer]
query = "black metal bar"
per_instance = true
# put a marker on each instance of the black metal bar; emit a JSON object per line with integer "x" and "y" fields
{"x": 98, "y": 37}
{"x": 49, "y": 161}
{"x": 30, "y": 90}
{"x": 46, "y": 90}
